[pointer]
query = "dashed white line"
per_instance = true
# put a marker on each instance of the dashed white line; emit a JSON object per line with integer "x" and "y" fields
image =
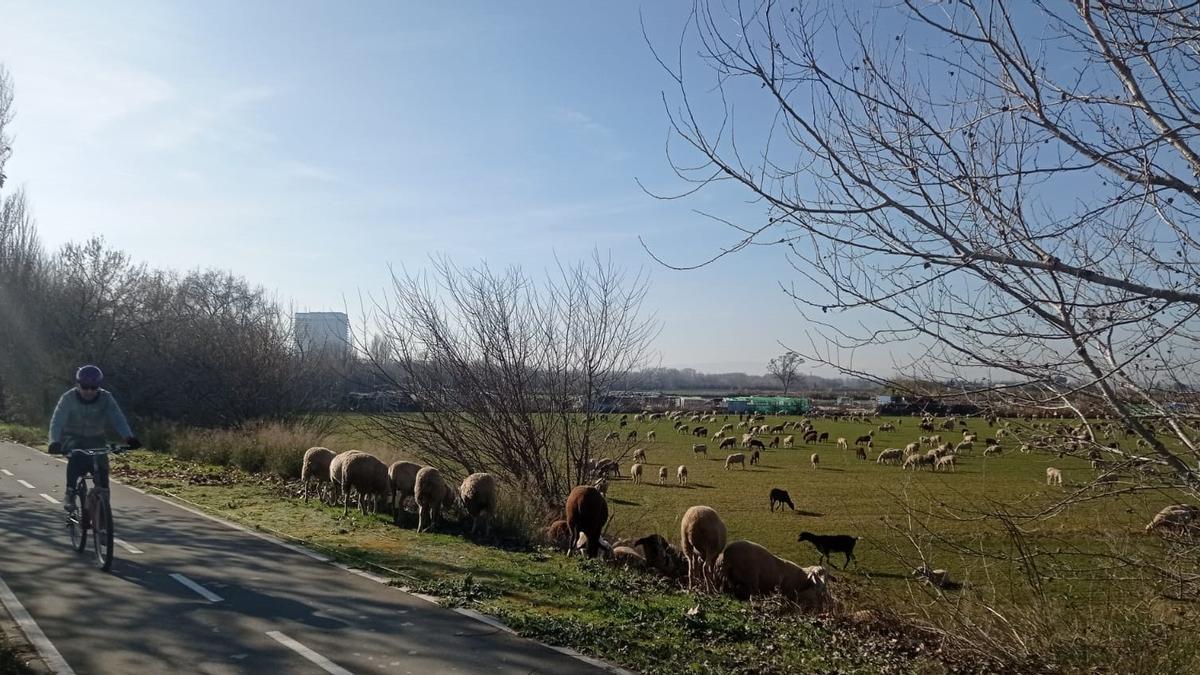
{"x": 45, "y": 648}
{"x": 6, "y": 472}
{"x": 199, "y": 590}
{"x": 48, "y": 498}
{"x": 26, "y": 484}
{"x": 320, "y": 661}
{"x": 126, "y": 545}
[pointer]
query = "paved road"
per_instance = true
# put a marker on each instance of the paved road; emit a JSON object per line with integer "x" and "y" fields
{"x": 201, "y": 597}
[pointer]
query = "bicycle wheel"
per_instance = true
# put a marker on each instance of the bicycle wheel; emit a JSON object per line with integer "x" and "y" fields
{"x": 102, "y": 534}
{"x": 77, "y": 522}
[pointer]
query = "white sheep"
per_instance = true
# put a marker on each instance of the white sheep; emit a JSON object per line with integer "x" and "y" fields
{"x": 842, "y": 444}
{"x": 1176, "y": 516}
{"x": 651, "y": 437}
{"x": 1053, "y": 476}
{"x": 404, "y": 480}
{"x": 681, "y": 475}
{"x": 635, "y": 473}
{"x": 702, "y": 538}
{"x": 639, "y": 455}
{"x": 945, "y": 462}
{"x": 735, "y": 458}
{"x": 788, "y": 441}
{"x": 315, "y": 469}
{"x": 890, "y": 456}
{"x": 815, "y": 460}
{"x": 478, "y": 494}
{"x": 432, "y": 494}
{"x": 747, "y": 569}
{"x": 662, "y": 475}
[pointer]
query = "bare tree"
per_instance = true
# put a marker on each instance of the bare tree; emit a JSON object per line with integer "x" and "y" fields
{"x": 509, "y": 373}
{"x": 785, "y": 368}
{"x": 1003, "y": 196}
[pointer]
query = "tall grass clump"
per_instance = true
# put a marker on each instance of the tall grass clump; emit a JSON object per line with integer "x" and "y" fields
{"x": 261, "y": 447}
{"x": 20, "y": 433}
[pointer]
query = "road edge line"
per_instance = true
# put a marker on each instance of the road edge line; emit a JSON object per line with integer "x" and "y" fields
{"x": 46, "y": 650}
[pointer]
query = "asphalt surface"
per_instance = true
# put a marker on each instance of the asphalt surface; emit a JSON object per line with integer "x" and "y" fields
{"x": 268, "y": 609}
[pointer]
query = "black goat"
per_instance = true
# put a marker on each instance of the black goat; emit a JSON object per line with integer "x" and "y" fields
{"x": 781, "y": 497}
{"x": 832, "y": 543}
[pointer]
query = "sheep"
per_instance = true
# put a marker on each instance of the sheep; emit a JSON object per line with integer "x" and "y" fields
{"x": 681, "y": 475}
{"x": 639, "y": 455}
{"x": 601, "y": 484}
{"x": 746, "y": 438}
{"x": 832, "y": 543}
{"x": 944, "y": 462}
{"x": 789, "y": 441}
{"x": 774, "y": 443}
{"x": 702, "y": 449}
{"x": 917, "y": 461}
{"x": 635, "y": 473}
{"x": 662, "y": 475}
{"x": 651, "y": 437}
{"x": 911, "y": 448}
{"x": 660, "y": 555}
{"x": 863, "y": 440}
{"x": 632, "y": 435}
{"x": 860, "y": 453}
{"x": 780, "y": 496}
{"x": 606, "y": 466}
{"x": 755, "y": 443}
{"x": 587, "y": 513}
{"x": 367, "y": 476}
{"x": 558, "y": 535}
{"x": 890, "y": 456}
{"x": 842, "y": 444}
{"x": 627, "y": 556}
{"x": 432, "y": 494}
{"x": 939, "y": 578}
{"x": 735, "y": 458}
{"x": 1174, "y": 517}
{"x": 992, "y": 450}
{"x": 746, "y": 569}
{"x": 612, "y": 436}
{"x": 404, "y": 480}
{"x": 337, "y": 473}
{"x": 315, "y": 469}
{"x": 1053, "y": 476}
{"x": 478, "y": 496}
{"x": 810, "y": 436}
{"x": 701, "y": 538}
{"x": 824, "y": 437}
{"x": 964, "y": 447}
{"x": 815, "y": 460}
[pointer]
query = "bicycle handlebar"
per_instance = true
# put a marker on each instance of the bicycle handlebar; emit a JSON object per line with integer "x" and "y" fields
{"x": 110, "y": 449}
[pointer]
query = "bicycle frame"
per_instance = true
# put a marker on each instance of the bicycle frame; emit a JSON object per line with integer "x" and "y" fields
{"x": 95, "y": 508}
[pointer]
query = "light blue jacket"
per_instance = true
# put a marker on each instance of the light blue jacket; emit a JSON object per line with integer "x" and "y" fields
{"x": 78, "y": 420}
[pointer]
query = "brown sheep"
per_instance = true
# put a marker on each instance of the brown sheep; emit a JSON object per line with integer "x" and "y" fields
{"x": 315, "y": 469}
{"x": 746, "y": 569}
{"x": 432, "y": 493}
{"x": 558, "y": 534}
{"x": 587, "y": 514}
{"x": 367, "y": 476}
{"x": 478, "y": 494}
{"x": 702, "y": 538}
{"x": 404, "y": 480}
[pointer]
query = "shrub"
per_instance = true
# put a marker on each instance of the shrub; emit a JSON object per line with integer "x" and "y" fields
{"x": 25, "y": 435}
{"x": 270, "y": 447}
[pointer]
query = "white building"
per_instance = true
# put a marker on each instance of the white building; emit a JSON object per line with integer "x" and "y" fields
{"x": 322, "y": 331}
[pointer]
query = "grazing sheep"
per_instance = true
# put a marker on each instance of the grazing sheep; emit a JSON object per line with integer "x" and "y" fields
{"x": 945, "y": 462}
{"x": 612, "y": 436}
{"x": 815, "y": 460}
{"x": 337, "y": 474}
{"x": 681, "y": 475}
{"x": 606, "y": 466}
{"x": 558, "y": 535}
{"x": 639, "y": 455}
{"x": 810, "y": 436}
{"x": 860, "y": 453}
{"x": 735, "y": 458}
{"x": 1174, "y": 517}
{"x": 635, "y": 473}
{"x": 660, "y": 555}
{"x": 746, "y": 569}
{"x": 863, "y": 440}
{"x": 315, "y": 469}
{"x": 627, "y": 556}
{"x": 832, "y": 543}
{"x": 890, "y": 456}
{"x": 404, "y": 482}
{"x": 774, "y": 443}
{"x": 824, "y": 437}
{"x": 755, "y": 443}
{"x": 367, "y": 476}
{"x": 992, "y": 450}
{"x": 701, "y": 538}
{"x": 754, "y": 457}
{"x": 1053, "y": 476}
{"x": 587, "y": 513}
{"x": 662, "y": 475}
{"x": 789, "y": 441}
{"x": 601, "y": 484}
{"x": 964, "y": 447}
{"x": 727, "y": 443}
{"x": 632, "y": 435}
{"x": 780, "y": 496}
{"x": 651, "y": 437}
{"x": 478, "y": 494}
{"x": 939, "y": 578}
{"x": 432, "y": 494}
{"x": 746, "y": 438}
{"x": 917, "y": 461}
{"x": 842, "y": 444}
{"x": 700, "y": 431}
{"x": 912, "y": 448}
{"x": 702, "y": 449}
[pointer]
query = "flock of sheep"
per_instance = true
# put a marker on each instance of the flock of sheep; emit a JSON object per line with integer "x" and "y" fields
{"x": 704, "y": 557}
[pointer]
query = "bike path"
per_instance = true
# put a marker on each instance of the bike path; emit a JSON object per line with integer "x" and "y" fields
{"x": 201, "y": 597}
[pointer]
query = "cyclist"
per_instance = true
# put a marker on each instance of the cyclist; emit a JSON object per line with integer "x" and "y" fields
{"x": 79, "y": 422}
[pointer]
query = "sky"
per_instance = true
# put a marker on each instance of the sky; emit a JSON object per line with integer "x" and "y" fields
{"x": 311, "y": 146}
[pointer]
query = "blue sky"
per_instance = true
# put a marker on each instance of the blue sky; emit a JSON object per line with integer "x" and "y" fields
{"x": 307, "y": 146}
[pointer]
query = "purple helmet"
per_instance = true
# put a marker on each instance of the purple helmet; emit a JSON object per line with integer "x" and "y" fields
{"x": 89, "y": 376}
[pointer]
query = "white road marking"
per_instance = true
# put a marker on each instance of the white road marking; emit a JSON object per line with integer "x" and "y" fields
{"x": 48, "y": 498}
{"x": 45, "y": 648}
{"x": 320, "y": 661}
{"x": 26, "y": 484}
{"x": 6, "y": 472}
{"x": 126, "y": 545}
{"x": 200, "y": 590}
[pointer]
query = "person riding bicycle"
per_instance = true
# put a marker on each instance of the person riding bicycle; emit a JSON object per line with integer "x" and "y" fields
{"x": 79, "y": 423}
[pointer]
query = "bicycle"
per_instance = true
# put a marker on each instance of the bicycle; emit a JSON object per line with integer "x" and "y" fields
{"x": 95, "y": 510}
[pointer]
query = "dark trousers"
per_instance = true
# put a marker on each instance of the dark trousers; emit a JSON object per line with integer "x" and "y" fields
{"x": 80, "y": 464}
